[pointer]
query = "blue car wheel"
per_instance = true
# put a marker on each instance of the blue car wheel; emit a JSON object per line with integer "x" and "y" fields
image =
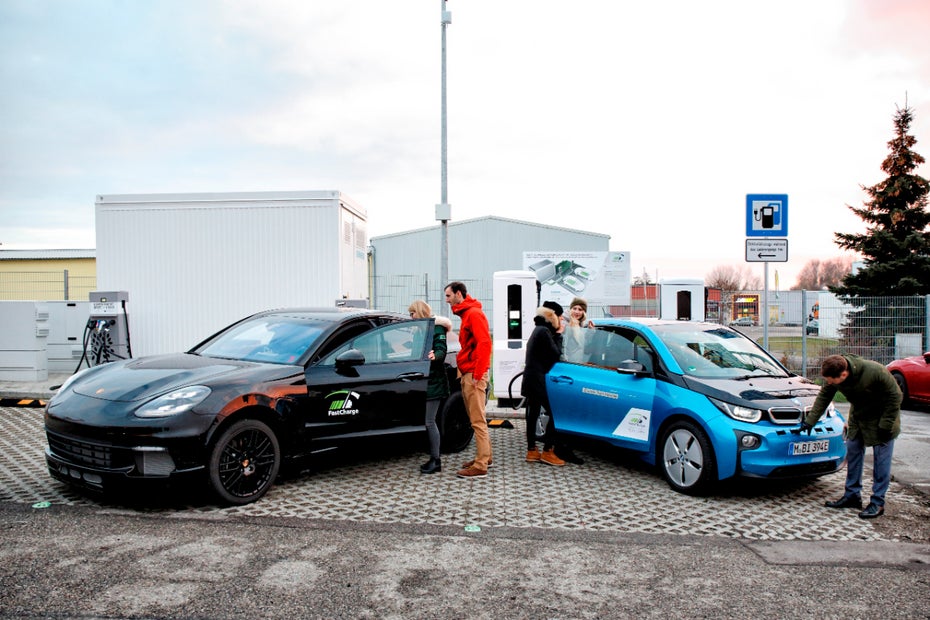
{"x": 686, "y": 458}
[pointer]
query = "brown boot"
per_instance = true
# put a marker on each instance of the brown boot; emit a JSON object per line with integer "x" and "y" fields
{"x": 549, "y": 458}
{"x": 533, "y": 456}
{"x": 471, "y": 463}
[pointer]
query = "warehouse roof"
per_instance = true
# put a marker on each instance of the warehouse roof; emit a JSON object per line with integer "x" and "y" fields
{"x": 46, "y": 254}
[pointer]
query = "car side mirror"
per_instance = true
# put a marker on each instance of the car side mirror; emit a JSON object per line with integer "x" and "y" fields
{"x": 352, "y": 357}
{"x": 927, "y": 357}
{"x": 631, "y": 367}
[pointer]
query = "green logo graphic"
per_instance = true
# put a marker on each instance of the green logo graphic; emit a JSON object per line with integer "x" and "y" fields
{"x": 341, "y": 402}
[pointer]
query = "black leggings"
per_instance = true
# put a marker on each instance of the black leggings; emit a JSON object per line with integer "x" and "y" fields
{"x": 533, "y": 407}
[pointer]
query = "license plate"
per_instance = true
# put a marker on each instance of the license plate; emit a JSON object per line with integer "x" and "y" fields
{"x": 810, "y": 447}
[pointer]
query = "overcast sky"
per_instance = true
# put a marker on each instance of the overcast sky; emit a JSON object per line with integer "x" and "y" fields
{"x": 648, "y": 121}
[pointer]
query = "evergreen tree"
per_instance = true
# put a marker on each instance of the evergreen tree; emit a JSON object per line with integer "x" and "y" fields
{"x": 896, "y": 244}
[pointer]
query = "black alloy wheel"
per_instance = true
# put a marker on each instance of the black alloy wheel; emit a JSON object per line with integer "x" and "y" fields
{"x": 455, "y": 431}
{"x": 244, "y": 462}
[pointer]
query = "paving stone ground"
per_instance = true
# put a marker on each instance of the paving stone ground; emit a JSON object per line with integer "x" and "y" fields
{"x": 610, "y": 492}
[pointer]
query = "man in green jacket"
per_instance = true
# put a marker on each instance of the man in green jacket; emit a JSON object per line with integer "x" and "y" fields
{"x": 874, "y": 421}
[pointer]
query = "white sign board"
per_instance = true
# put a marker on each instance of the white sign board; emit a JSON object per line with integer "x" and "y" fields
{"x": 601, "y": 278}
{"x": 766, "y": 250}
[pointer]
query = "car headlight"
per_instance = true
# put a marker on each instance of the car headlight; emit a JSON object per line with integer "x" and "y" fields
{"x": 737, "y": 412}
{"x": 174, "y": 402}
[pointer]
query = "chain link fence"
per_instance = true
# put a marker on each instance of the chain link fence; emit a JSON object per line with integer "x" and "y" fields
{"x": 45, "y": 286}
{"x": 804, "y": 327}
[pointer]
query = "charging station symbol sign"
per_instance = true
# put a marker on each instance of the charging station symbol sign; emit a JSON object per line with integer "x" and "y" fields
{"x": 766, "y": 215}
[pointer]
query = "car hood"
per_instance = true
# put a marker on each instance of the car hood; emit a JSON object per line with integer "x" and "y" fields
{"x": 759, "y": 392}
{"x": 148, "y": 377}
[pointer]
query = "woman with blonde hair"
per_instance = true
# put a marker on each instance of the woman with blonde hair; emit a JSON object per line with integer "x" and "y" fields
{"x": 438, "y": 384}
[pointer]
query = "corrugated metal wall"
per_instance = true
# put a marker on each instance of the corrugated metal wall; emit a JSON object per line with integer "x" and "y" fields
{"x": 193, "y": 263}
{"x": 477, "y": 248}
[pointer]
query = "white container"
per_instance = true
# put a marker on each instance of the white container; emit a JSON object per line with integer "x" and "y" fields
{"x": 193, "y": 263}
{"x": 681, "y": 300}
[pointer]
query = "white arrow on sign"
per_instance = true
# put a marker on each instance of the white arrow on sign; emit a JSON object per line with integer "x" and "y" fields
{"x": 766, "y": 250}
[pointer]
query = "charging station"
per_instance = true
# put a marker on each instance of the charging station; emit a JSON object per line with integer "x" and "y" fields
{"x": 106, "y": 337}
{"x": 681, "y": 300}
{"x": 515, "y": 297}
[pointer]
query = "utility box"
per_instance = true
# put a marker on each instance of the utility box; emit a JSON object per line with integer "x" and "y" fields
{"x": 67, "y": 322}
{"x": 195, "y": 263}
{"x": 515, "y": 300}
{"x": 681, "y": 300}
{"x": 23, "y": 355}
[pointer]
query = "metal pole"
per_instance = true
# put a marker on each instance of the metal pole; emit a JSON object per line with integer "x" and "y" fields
{"x": 765, "y": 309}
{"x": 444, "y": 190}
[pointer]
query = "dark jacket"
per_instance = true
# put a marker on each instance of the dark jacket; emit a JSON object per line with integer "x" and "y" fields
{"x": 874, "y": 401}
{"x": 543, "y": 350}
{"x": 438, "y": 385}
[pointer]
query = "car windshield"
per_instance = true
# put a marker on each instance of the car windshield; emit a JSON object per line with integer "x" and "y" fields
{"x": 717, "y": 353}
{"x": 270, "y": 339}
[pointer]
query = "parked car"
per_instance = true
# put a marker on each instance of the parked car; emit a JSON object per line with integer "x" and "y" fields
{"x": 701, "y": 401}
{"x": 269, "y": 390}
{"x": 913, "y": 377}
{"x": 813, "y": 327}
{"x": 743, "y": 321}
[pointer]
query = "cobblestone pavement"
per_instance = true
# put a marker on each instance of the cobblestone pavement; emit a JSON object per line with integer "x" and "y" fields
{"x": 610, "y": 492}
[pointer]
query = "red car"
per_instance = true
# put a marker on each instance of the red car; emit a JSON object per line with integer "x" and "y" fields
{"x": 913, "y": 377}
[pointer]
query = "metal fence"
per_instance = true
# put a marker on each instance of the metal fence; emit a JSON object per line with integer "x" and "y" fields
{"x": 45, "y": 286}
{"x": 804, "y": 327}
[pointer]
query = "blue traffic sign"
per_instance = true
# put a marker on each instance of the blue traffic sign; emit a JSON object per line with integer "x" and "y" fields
{"x": 766, "y": 215}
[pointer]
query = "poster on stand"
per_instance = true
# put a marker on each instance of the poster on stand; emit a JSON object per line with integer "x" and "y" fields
{"x": 601, "y": 278}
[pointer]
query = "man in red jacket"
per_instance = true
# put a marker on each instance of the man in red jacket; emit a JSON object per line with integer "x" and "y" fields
{"x": 474, "y": 363}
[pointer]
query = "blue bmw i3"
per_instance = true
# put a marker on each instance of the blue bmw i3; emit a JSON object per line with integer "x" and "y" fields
{"x": 700, "y": 401}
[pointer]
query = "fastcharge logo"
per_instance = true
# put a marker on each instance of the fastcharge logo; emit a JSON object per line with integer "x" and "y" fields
{"x": 341, "y": 403}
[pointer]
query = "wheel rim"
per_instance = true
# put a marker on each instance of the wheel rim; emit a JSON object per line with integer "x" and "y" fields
{"x": 683, "y": 458}
{"x": 899, "y": 379}
{"x": 246, "y": 463}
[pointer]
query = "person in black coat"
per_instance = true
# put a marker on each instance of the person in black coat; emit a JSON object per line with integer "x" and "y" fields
{"x": 543, "y": 350}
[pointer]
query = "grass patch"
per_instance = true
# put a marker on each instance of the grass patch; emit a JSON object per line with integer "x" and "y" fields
{"x": 816, "y": 347}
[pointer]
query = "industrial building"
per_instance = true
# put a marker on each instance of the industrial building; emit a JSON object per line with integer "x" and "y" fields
{"x": 405, "y": 266}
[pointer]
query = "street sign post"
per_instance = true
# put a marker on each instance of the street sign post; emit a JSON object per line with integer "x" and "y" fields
{"x": 766, "y": 250}
{"x": 766, "y": 216}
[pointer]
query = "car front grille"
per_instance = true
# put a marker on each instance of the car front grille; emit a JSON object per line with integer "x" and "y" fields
{"x": 87, "y": 453}
{"x": 809, "y": 469}
{"x": 786, "y": 415}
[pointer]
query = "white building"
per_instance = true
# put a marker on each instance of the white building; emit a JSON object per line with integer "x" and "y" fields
{"x": 193, "y": 263}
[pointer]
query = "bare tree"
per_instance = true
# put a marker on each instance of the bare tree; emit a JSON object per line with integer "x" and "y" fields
{"x": 733, "y": 278}
{"x": 817, "y": 275}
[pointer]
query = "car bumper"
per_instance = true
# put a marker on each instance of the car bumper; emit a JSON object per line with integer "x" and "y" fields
{"x": 774, "y": 457}
{"x": 98, "y": 467}
{"x": 98, "y": 456}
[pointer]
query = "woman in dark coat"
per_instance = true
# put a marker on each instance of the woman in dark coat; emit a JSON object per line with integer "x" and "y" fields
{"x": 543, "y": 350}
{"x": 437, "y": 388}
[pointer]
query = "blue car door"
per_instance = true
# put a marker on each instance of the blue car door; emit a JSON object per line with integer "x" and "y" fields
{"x": 595, "y": 399}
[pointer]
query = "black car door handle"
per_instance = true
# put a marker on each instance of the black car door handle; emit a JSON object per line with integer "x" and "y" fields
{"x": 411, "y": 376}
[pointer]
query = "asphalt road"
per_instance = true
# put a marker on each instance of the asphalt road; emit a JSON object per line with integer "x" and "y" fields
{"x": 80, "y": 562}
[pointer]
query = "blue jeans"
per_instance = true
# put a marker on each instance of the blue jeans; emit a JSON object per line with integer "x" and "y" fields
{"x": 881, "y": 469}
